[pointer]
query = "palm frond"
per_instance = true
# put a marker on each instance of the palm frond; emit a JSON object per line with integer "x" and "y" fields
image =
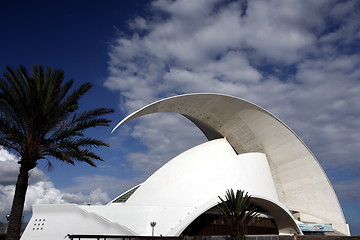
{"x": 38, "y": 114}
{"x": 39, "y": 120}
{"x": 237, "y": 211}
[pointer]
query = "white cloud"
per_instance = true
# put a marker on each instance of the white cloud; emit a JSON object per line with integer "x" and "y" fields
{"x": 166, "y": 135}
{"x": 279, "y": 30}
{"x": 96, "y": 197}
{"x": 8, "y": 172}
{"x": 6, "y": 155}
{"x": 105, "y": 187}
{"x": 342, "y": 16}
{"x": 41, "y": 190}
{"x": 298, "y": 59}
{"x": 187, "y": 9}
{"x": 6, "y": 197}
{"x": 293, "y": 58}
{"x": 10, "y": 169}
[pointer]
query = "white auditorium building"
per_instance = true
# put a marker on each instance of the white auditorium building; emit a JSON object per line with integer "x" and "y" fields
{"x": 248, "y": 149}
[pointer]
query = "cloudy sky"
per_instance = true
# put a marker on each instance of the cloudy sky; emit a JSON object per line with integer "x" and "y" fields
{"x": 298, "y": 59}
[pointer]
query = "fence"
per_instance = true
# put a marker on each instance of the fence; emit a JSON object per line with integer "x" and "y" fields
{"x": 260, "y": 237}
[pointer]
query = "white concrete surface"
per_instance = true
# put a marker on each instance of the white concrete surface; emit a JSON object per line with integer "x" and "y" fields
{"x": 55, "y": 221}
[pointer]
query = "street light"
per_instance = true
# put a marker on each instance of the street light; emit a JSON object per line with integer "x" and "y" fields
{"x": 153, "y": 224}
{"x": 7, "y": 218}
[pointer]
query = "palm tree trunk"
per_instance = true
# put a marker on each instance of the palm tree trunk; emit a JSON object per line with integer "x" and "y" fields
{"x": 15, "y": 220}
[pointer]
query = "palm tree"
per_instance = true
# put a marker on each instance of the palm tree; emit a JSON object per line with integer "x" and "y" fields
{"x": 39, "y": 120}
{"x": 237, "y": 211}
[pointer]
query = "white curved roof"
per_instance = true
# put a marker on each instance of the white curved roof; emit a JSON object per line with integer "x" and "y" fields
{"x": 190, "y": 184}
{"x": 300, "y": 182}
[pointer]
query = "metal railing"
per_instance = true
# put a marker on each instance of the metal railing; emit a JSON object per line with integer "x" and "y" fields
{"x": 120, "y": 237}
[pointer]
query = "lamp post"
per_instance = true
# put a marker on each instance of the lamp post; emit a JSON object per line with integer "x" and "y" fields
{"x": 7, "y": 219}
{"x": 153, "y": 224}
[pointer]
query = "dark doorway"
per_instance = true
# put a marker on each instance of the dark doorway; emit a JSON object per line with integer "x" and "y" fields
{"x": 209, "y": 224}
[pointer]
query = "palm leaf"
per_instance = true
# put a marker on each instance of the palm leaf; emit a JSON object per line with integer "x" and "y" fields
{"x": 40, "y": 119}
{"x": 237, "y": 211}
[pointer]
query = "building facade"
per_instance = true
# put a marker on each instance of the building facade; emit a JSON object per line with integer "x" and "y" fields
{"x": 248, "y": 149}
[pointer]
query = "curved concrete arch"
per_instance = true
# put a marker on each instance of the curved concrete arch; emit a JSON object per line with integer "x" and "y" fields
{"x": 300, "y": 181}
{"x": 283, "y": 219}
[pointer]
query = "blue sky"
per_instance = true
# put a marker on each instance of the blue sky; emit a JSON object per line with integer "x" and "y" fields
{"x": 298, "y": 59}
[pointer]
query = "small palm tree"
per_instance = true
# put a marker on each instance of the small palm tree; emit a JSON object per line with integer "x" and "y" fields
{"x": 38, "y": 120}
{"x": 237, "y": 211}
